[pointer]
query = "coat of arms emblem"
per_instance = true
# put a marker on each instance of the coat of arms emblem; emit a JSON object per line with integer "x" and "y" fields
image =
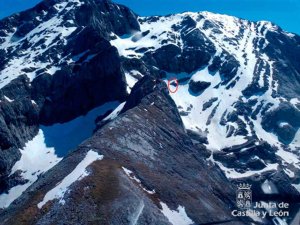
{"x": 244, "y": 196}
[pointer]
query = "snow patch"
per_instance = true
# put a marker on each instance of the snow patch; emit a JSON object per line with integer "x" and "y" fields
{"x": 131, "y": 81}
{"x": 77, "y": 174}
{"x": 8, "y": 99}
{"x": 116, "y": 112}
{"x": 36, "y": 159}
{"x": 233, "y": 174}
{"x": 283, "y": 124}
{"x": 51, "y": 143}
{"x": 131, "y": 175}
{"x": 297, "y": 186}
{"x": 269, "y": 187}
{"x": 176, "y": 217}
{"x": 289, "y": 158}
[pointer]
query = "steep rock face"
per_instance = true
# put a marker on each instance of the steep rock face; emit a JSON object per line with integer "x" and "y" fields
{"x": 73, "y": 93}
{"x": 107, "y": 17}
{"x": 56, "y": 64}
{"x": 19, "y": 115}
{"x": 68, "y": 41}
{"x": 19, "y": 120}
{"x": 167, "y": 170}
{"x": 285, "y": 48}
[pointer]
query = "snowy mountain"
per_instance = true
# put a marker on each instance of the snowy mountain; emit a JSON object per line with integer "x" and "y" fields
{"x": 95, "y": 73}
{"x": 236, "y": 86}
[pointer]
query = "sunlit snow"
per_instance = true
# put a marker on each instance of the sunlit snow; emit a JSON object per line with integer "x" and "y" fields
{"x": 176, "y": 217}
{"x": 36, "y": 159}
{"x": 237, "y": 37}
{"x": 131, "y": 175}
{"x": 51, "y": 144}
{"x": 77, "y": 174}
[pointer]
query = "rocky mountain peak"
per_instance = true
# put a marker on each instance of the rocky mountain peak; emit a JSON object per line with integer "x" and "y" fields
{"x": 67, "y": 64}
{"x": 58, "y": 56}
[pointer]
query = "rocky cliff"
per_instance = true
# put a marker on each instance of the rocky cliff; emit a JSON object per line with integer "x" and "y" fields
{"x": 154, "y": 157}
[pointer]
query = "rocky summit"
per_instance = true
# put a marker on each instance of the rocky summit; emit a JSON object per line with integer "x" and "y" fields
{"x": 91, "y": 134}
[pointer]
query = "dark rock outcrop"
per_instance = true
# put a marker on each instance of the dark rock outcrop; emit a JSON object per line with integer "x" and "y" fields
{"x": 73, "y": 93}
{"x": 196, "y": 87}
{"x": 284, "y": 121}
{"x": 209, "y": 103}
{"x": 19, "y": 121}
{"x": 285, "y": 48}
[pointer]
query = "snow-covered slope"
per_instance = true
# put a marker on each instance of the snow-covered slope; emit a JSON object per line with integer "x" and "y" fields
{"x": 36, "y": 159}
{"x": 48, "y": 33}
{"x": 232, "y": 93}
{"x": 48, "y": 147}
{"x": 77, "y": 174}
{"x": 236, "y": 110}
